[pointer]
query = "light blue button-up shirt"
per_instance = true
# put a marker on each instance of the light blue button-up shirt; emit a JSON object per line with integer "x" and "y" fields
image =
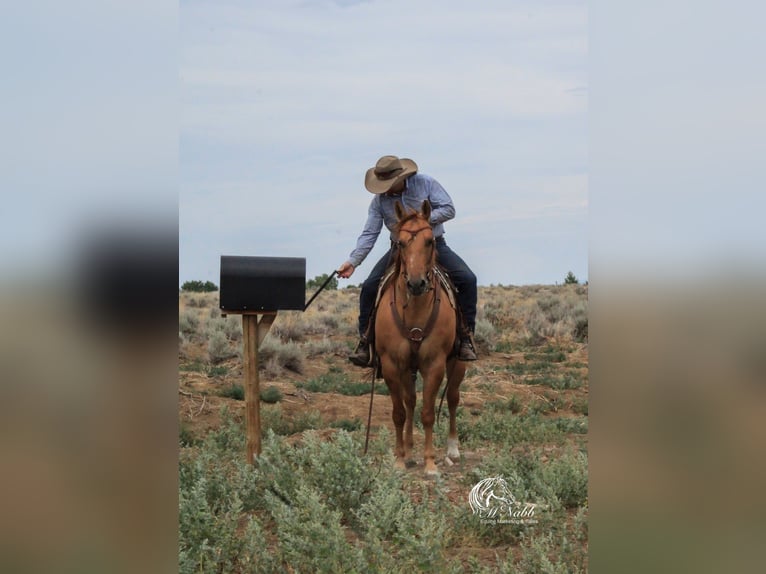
{"x": 418, "y": 187}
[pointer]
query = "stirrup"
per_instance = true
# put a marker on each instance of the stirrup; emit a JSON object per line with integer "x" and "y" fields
{"x": 361, "y": 357}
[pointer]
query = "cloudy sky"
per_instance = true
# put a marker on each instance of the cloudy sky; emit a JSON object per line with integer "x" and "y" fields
{"x": 286, "y": 104}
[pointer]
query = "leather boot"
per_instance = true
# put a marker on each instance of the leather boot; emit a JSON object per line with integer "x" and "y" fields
{"x": 467, "y": 351}
{"x": 361, "y": 355}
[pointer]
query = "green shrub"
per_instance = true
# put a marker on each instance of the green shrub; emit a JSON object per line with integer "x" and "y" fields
{"x": 336, "y": 381}
{"x": 570, "y": 279}
{"x": 273, "y": 418}
{"x": 271, "y": 395}
{"x": 347, "y": 424}
{"x": 317, "y": 282}
{"x": 199, "y": 287}
{"x": 311, "y": 538}
{"x": 233, "y": 391}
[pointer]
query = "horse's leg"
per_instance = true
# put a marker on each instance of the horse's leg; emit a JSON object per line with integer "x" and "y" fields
{"x": 410, "y": 398}
{"x": 398, "y": 414}
{"x": 432, "y": 379}
{"x": 455, "y": 374}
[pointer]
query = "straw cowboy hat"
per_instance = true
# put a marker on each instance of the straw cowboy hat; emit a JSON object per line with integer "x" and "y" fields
{"x": 389, "y": 171}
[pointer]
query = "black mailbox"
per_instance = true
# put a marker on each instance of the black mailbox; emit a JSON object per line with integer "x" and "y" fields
{"x": 262, "y": 283}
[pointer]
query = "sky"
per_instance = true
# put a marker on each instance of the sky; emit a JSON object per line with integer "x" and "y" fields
{"x": 286, "y": 104}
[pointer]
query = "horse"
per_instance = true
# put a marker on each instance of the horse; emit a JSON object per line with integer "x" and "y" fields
{"x": 415, "y": 330}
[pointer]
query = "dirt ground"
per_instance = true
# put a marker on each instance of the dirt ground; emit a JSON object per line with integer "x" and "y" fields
{"x": 486, "y": 380}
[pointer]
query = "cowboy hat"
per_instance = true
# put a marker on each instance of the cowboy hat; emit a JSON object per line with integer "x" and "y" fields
{"x": 389, "y": 171}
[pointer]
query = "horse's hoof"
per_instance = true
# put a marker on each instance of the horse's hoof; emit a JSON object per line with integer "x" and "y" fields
{"x": 452, "y": 450}
{"x": 433, "y": 474}
{"x": 399, "y": 464}
{"x": 410, "y": 464}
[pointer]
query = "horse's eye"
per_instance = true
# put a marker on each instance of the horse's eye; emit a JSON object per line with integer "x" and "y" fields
{"x": 429, "y": 242}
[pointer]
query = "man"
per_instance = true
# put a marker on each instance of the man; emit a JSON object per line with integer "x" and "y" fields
{"x": 391, "y": 180}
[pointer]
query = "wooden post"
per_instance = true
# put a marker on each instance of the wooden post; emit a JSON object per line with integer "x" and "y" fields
{"x": 254, "y": 330}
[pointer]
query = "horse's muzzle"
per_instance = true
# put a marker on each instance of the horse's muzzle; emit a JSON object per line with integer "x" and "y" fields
{"x": 417, "y": 286}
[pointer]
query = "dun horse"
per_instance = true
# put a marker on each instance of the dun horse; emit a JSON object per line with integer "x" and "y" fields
{"x": 415, "y": 330}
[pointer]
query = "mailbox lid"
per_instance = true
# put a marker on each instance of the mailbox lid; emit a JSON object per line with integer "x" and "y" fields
{"x": 262, "y": 283}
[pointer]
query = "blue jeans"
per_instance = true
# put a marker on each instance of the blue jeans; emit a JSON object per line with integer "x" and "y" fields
{"x": 461, "y": 275}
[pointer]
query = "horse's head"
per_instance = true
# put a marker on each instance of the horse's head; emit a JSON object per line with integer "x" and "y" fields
{"x": 416, "y": 245}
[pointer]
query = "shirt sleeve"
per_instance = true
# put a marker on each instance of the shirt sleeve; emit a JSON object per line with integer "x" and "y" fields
{"x": 369, "y": 235}
{"x": 442, "y": 208}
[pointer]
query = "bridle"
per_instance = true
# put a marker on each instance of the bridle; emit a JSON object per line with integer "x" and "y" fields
{"x": 401, "y": 245}
{"x": 416, "y": 335}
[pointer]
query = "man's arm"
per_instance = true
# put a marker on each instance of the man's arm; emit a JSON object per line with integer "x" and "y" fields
{"x": 442, "y": 208}
{"x": 369, "y": 235}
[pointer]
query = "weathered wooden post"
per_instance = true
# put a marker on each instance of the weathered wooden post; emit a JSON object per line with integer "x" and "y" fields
{"x": 256, "y": 288}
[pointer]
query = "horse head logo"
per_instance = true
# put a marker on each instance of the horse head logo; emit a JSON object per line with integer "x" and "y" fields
{"x": 491, "y": 497}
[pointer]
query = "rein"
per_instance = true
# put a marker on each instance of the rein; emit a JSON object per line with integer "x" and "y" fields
{"x": 415, "y": 335}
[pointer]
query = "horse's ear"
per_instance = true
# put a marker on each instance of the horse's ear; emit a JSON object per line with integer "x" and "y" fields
{"x": 426, "y": 210}
{"x": 399, "y": 209}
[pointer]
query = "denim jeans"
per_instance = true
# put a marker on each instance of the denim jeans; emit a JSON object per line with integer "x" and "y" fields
{"x": 461, "y": 275}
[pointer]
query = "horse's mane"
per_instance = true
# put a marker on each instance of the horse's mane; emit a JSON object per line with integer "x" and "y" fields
{"x": 411, "y": 214}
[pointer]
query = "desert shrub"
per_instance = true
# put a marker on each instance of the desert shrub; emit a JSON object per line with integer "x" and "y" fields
{"x": 271, "y": 395}
{"x": 550, "y": 554}
{"x": 336, "y": 381}
{"x": 270, "y": 367}
{"x": 557, "y": 381}
{"x": 553, "y": 482}
{"x": 209, "y": 541}
{"x": 273, "y": 418}
{"x": 219, "y": 348}
{"x": 580, "y": 329}
{"x": 233, "y": 391}
{"x": 512, "y": 405}
{"x": 571, "y": 425}
{"x": 217, "y": 371}
{"x": 188, "y": 323}
{"x": 290, "y": 327}
{"x": 485, "y": 336}
{"x": 310, "y": 536}
{"x": 580, "y": 406}
{"x": 185, "y": 436}
{"x": 499, "y": 428}
{"x": 347, "y": 425}
{"x": 567, "y": 476}
{"x": 230, "y": 326}
{"x": 288, "y": 355}
{"x": 402, "y": 535}
{"x": 324, "y": 346}
{"x": 538, "y": 327}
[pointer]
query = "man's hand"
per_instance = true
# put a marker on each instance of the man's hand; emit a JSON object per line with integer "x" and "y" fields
{"x": 346, "y": 270}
